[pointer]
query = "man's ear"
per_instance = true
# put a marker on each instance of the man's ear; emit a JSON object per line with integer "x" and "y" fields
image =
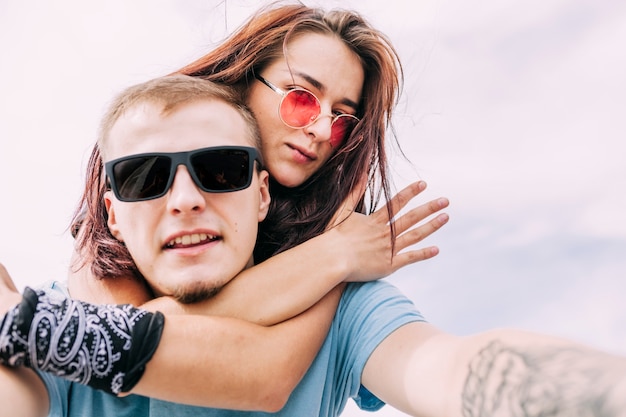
{"x": 264, "y": 194}
{"x": 112, "y": 221}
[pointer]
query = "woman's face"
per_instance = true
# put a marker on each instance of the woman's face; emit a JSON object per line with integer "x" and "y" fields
{"x": 325, "y": 66}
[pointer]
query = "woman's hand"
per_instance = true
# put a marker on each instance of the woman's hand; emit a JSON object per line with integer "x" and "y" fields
{"x": 366, "y": 241}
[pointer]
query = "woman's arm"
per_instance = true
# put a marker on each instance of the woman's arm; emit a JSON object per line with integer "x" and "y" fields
{"x": 357, "y": 249}
{"x": 422, "y": 371}
{"x": 244, "y": 366}
{"x": 207, "y": 361}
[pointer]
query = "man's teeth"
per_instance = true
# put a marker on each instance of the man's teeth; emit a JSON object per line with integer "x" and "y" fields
{"x": 190, "y": 239}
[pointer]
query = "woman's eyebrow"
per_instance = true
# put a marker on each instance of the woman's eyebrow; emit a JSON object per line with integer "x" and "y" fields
{"x": 321, "y": 87}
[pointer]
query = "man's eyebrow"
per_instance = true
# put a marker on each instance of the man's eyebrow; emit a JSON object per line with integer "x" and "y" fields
{"x": 321, "y": 87}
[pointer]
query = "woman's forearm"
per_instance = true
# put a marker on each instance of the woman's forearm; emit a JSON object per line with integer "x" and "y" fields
{"x": 230, "y": 363}
{"x": 275, "y": 290}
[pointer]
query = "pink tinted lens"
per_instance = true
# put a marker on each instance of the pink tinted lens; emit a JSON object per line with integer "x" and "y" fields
{"x": 299, "y": 108}
{"x": 341, "y": 128}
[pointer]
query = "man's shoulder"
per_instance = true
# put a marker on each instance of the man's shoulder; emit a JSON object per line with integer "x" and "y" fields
{"x": 376, "y": 301}
{"x": 379, "y": 289}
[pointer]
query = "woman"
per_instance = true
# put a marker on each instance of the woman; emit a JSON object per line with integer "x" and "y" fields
{"x": 322, "y": 86}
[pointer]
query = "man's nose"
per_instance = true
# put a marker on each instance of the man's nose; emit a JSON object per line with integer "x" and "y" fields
{"x": 184, "y": 195}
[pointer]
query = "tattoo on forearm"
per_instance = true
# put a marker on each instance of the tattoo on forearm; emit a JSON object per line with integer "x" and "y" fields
{"x": 512, "y": 382}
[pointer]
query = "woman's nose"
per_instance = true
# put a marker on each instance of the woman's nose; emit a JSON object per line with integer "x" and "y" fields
{"x": 320, "y": 129}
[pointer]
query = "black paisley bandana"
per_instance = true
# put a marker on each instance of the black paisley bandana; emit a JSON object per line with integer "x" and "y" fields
{"x": 105, "y": 347}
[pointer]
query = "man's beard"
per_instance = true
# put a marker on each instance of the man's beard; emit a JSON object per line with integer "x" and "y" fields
{"x": 197, "y": 293}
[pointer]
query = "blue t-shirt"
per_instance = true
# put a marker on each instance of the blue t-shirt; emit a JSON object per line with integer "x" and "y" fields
{"x": 366, "y": 315}
{"x": 69, "y": 399}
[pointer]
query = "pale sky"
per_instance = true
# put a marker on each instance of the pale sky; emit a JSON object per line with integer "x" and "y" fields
{"x": 512, "y": 109}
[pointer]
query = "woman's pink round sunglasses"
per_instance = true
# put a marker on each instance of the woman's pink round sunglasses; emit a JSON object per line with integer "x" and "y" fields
{"x": 300, "y": 108}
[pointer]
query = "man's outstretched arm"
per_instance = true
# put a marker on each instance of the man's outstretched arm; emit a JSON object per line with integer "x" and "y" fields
{"x": 423, "y": 371}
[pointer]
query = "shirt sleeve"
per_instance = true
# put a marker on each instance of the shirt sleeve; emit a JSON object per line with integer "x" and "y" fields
{"x": 58, "y": 394}
{"x": 367, "y": 314}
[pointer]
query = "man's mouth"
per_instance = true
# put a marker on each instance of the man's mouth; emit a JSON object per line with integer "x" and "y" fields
{"x": 186, "y": 241}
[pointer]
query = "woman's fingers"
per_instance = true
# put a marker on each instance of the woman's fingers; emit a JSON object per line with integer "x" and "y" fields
{"x": 416, "y": 215}
{"x": 407, "y": 228}
{"x": 420, "y": 232}
{"x": 400, "y": 200}
{"x": 413, "y": 236}
{"x": 410, "y": 257}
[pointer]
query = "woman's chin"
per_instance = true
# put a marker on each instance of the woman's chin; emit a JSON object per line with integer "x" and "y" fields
{"x": 291, "y": 178}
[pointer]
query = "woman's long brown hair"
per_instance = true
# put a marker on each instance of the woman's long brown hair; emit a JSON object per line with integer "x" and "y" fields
{"x": 300, "y": 213}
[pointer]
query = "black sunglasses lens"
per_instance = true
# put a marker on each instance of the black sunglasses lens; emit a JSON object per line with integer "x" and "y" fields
{"x": 142, "y": 178}
{"x": 222, "y": 170}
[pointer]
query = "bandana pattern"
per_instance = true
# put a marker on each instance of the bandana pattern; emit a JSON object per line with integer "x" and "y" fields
{"x": 105, "y": 347}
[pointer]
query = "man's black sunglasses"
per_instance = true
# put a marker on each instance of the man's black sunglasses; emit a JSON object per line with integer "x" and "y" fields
{"x": 146, "y": 176}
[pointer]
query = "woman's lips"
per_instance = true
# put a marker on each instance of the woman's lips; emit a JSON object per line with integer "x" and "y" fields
{"x": 302, "y": 155}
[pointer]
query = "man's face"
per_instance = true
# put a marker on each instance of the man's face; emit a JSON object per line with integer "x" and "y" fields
{"x": 188, "y": 243}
